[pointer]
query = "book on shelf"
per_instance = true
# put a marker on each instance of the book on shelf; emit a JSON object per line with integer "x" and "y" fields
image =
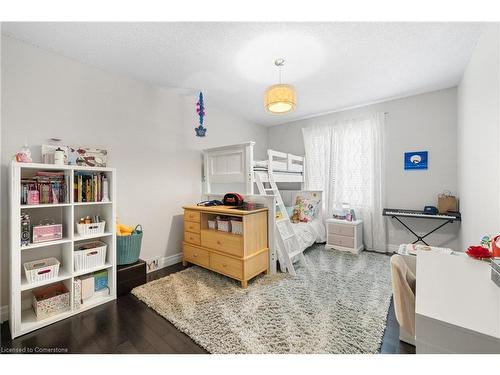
{"x": 88, "y": 186}
{"x": 44, "y": 188}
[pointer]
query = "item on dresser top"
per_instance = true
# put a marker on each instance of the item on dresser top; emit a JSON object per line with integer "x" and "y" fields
{"x": 214, "y": 202}
{"x": 47, "y": 230}
{"x": 129, "y": 247}
{"x": 447, "y": 202}
{"x": 233, "y": 199}
{"x": 251, "y": 206}
{"x": 25, "y": 230}
{"x": 50, "y": 300}
{"x": 41, "y": 270}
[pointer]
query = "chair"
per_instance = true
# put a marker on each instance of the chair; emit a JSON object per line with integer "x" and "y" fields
{"x": 403, "y": 272}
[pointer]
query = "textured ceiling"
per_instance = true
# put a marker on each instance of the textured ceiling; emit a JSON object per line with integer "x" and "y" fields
{"x": 332, "y": 65}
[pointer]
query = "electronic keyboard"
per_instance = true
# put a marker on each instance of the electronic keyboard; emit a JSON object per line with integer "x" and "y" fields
{"x": 421, "y": 214}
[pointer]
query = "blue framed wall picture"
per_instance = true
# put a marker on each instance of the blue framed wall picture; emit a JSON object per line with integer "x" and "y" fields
{"x": 416, "y": 160}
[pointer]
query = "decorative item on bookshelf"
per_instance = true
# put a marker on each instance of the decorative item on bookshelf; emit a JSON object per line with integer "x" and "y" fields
{"x": 47, "y": 230}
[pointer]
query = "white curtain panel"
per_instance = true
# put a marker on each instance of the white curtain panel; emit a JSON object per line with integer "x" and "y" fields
{"x": 345, "y": 160}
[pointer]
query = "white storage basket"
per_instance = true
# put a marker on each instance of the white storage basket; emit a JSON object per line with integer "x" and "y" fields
{"x": 212, "y": 224}
{"x": 223, "y": 225}
{"x": 90, "y": 229}
{"x": 237, "y": 226}
{"x": 90, "y": 255}
{"x": 40, "y": 270}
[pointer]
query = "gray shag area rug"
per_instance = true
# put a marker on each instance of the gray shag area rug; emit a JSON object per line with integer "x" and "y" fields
{"x": 337, "y": 303}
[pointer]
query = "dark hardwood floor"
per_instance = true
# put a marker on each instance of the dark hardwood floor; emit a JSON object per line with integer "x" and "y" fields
{"x": 127, "y": 325}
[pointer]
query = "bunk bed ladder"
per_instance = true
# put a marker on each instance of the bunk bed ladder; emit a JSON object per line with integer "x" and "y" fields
{"x": 288, "y": 242}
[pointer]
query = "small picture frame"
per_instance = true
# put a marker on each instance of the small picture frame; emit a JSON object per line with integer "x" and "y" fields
{"x": 416, "y": 160}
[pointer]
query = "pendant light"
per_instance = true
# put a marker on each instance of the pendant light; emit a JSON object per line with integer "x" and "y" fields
{"x": 280, "y": 98}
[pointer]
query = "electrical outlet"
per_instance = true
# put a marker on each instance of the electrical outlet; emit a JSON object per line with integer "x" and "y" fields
{"x": 153, "y": 264}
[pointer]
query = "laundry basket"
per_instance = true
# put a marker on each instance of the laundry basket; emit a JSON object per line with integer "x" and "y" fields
{"x": 129, "y": 247}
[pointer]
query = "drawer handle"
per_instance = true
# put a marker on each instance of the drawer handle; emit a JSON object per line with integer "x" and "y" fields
{"x": 224, "y": 265}
{"x": 218, "y": 242}
{"x": 195, "y": 255}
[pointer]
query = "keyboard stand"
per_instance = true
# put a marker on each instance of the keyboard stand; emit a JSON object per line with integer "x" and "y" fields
{"x": 421, "y": 238}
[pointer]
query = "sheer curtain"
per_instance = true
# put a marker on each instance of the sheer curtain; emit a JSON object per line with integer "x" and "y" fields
{"x": 345, "y": 160}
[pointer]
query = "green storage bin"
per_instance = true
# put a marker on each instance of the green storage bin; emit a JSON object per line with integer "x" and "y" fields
{"x": 129, "y": 247}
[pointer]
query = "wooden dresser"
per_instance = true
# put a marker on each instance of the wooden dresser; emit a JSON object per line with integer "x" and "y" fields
{"x": 239, "y": 256}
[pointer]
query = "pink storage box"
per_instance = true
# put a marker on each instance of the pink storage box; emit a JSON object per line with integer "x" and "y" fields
{"x": 50, "y": 232}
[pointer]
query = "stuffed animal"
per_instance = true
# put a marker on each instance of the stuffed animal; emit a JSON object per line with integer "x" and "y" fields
{"x": 296, "y": 216}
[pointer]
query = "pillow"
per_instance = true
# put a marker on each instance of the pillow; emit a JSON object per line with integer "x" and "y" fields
{"x": 307, "y": 208}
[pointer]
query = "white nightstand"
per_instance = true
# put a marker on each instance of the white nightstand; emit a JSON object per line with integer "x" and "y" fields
{"x": 344, "y": 235}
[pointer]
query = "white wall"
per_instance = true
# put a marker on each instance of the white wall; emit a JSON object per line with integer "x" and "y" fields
{"x": 479, "y": 140}
{"x": 148, "y": 131}
{"x": 416, "y": 123}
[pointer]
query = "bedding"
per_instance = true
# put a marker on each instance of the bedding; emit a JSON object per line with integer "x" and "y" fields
{"x": 310, "y": 233}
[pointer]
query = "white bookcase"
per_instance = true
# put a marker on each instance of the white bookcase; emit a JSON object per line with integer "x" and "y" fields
{"x": 22, "y": 317}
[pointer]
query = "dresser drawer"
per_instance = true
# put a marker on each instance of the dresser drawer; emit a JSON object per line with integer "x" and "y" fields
{"x": 192, "y": 216}
{"x": 343, "y": 241}
{"x": 227, "y": 266}
{"x": 192, "y": 238}
{"x": 195, "y": 255}
{"x": 342, "y": 229}
{"x": 192, "y": 227}
{"x": 225, "y": 242}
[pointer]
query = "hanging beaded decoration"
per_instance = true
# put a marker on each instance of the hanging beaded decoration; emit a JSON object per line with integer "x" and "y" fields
{"x": 200, "y": 109}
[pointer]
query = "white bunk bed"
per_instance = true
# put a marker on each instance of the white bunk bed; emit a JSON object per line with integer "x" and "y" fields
{"x": 234, "y": 167}
{"x": 236, "y": 164}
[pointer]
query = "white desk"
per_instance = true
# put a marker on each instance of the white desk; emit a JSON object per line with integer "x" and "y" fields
{"x": 457, "y": 305}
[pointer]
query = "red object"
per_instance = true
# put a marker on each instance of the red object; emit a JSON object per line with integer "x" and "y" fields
{"x": 233, "y": 199}
{"x": 495, "y": 248}
{"x": 478, "y": 252}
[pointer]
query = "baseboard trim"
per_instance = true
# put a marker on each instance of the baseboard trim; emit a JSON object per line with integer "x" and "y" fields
{"x": 170, "y": 260}
{"x": 393, "y": 248}
{"x": 4, "y": 313}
